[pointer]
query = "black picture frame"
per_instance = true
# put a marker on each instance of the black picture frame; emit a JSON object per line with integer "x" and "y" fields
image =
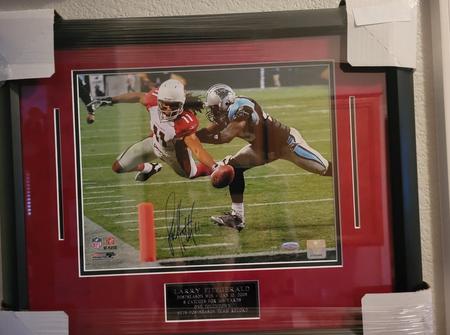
{"x": 73, "y": 34}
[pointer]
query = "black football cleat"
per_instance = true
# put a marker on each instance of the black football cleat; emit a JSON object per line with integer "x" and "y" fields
{"x": 229, "y": 220}
{"x": 142, "y": 176}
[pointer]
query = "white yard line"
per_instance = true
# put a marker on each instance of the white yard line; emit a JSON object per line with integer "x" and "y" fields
{"x": 222, "y": 206}
{"x": 135, "y": 220}
{"x": 166, "y": 228}
{"x": 201, "y": 246}
{"x": 103, "y": 154}
{"x": 126, "y": 221}
{"x": 111, "y": 208}
{"x": 206, "y": 145}
{"x": 156, "y": 228}
{"x": 102, "y": 197}
{"x": 203, "y": 180}
{"x": 109, "y": 202}
{"x": 99, "y": 192}
{"x": 108, "y": 167}
{"x": 291, "y": 202}
{"x": 128, "y": 129}
{"x": 320, "y": 140}
{"x": 195, "y": 235}
{"x": 97, "y": 137}
{"x": 308, "y": 111}
{"x": 119, "y": 214}
{"x": 99, "y": 144}
{"x": 282, "y": 106}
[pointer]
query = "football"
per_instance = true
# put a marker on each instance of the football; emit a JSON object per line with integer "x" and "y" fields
{"x": 222, "y": 176}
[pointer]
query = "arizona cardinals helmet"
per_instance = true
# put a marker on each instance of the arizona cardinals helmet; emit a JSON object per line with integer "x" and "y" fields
{"x": 171, "y": 99}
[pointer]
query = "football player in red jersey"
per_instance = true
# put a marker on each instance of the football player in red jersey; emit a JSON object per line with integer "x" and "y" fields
{"x": 232, "y": 116}
{"x": 172, "y": 138}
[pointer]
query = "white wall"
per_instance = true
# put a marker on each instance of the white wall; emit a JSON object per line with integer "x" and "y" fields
{"x": 75, "y": 9}
{"x": 427, "y": 164}
{"x": 427, "y": 153}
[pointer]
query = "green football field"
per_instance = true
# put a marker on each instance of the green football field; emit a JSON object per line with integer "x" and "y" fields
{"x": 282, "y": 201}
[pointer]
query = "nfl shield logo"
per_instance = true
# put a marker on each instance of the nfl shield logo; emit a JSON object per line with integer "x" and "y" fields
{"x": 96, "y": 243}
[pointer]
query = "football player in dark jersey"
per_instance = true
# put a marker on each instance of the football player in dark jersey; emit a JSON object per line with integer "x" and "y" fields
{"x": 235, "y": 116}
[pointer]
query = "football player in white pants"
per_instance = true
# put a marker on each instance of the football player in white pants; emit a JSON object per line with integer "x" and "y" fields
{"x": 172, "y": 138}
{"x": 268, "y": 139}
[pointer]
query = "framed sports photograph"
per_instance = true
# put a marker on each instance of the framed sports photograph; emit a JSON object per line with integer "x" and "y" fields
{"x": 291, "y": 180}
{"x": 178, "y": 179}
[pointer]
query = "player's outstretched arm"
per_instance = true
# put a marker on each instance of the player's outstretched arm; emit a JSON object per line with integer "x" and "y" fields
{"x": 199, "y": 152}
{"x": 99, "y": 102}
{"x": 125, "y": 98}
{"x": 233, "y": 130}
{"x": 109, "y": 101}
{"x": 226, "y": 135}
{"x": 209, "y": 134}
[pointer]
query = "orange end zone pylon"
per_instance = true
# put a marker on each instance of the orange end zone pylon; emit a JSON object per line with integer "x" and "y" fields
{"x": 147, "y": 239}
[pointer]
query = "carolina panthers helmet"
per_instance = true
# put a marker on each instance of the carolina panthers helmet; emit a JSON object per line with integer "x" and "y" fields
{"x": 218, "y": 98}
{"x": 171, "y": 99}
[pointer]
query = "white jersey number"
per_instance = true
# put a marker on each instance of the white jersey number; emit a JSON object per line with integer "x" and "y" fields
{"x": 160, "y": 136}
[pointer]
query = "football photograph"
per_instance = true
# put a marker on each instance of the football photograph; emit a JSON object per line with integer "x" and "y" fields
{"x": 204, "y": 168}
